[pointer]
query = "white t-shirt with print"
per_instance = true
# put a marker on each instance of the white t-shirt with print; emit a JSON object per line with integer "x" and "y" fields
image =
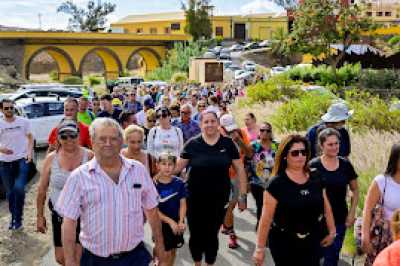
{"x": 13, "y": 136}
{"x": 165, "y": 140}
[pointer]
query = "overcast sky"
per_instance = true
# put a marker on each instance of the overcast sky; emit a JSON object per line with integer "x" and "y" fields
{"x": 25, "y": 13}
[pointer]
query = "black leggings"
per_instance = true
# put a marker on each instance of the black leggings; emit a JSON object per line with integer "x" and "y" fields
{"x": 205, "y": 217}
{"x": 258, "y": 195}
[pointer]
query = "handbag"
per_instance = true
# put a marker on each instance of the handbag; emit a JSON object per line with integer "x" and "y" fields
{"x": 378, "y": 224}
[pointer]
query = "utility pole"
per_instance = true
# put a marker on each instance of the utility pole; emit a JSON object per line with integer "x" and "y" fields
{"x": 40, "y": 20}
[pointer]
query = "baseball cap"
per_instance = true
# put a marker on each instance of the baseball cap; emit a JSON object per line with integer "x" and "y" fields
{"x": 67, "y": 125}
{"x": 228, "y": 122}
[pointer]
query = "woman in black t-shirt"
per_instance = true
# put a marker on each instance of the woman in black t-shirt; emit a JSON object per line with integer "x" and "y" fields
{"x": 296, "y": 217}
{"x": 208, "y": 158}
{"x": 338, "y": 174}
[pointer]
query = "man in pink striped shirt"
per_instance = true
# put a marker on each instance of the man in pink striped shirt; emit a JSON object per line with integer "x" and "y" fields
{"x": 108, "y": 194}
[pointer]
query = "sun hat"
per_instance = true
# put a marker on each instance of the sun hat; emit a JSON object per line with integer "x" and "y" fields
{"x": 116, "y": 101}
{"x": 337, "y": 112}
{"x": 67, "y": 125}
{"x": 228, "y": 122}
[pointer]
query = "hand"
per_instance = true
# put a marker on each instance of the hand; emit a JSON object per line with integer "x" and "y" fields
{"x": 350, "y": 220}
{"x": 258, "y": 257}
{"x": 328, "y": 240}
{"x": 29, "y": 157}
{"x": 366, "y": 246}
{"x": 174, "y": 227}
{"x": 41, "y": 226}
{"x": 182, "y": 227}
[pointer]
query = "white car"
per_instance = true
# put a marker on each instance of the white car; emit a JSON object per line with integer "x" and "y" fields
{"x": 44, "y": 113}
{"x": 236, "y": 48}
{"x": 265, "y": 43}
{"x": 278, "y": 70}
{"x": 249, "y": 66}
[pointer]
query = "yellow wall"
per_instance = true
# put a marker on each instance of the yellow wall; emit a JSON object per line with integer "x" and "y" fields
{"x": 146, "y": 26}
{"x": 257, "y": 27}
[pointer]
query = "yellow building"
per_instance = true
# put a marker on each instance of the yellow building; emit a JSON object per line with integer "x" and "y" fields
{"x": 385, "y": 12}
{"x": 255, "y": 26}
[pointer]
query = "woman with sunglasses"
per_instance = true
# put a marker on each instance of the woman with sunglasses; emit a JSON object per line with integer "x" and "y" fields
{"x": 261, "y": 164}
{"x": 297, "y": 217}
{"x": 57, "y": 167}
{"x": 151, "y": 121}
{"x": 201, "y": 106}
{"x": 339, "y": 175}
{"x": 133, "y": 137}
{"x": 164, "y": 137}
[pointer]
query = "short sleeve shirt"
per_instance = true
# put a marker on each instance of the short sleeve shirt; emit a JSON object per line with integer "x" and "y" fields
{"x": 13, "y": 136}
{"x": 209, "y": 166}
{"x": 170, "y": 197}
{"x": 299, "y": 205}
{"x": 336, "y": 183}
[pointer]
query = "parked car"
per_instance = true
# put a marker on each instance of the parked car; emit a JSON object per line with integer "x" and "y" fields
{"x": 224, "y": 55}
{"x": 249, "y": 66}
{"x": 236, "y": 48}
{"x": 244, "y": 75}
{"x": 217, "y": 50}
{"x": 44, "y": 113}
{"x": 209, "y": 55}
{"x": 129, "y": 81}
{"x": 265, "y": 43}
{"x": 45, "y": 92}
{"x": 250, "y": 46}
{"x": 234, "y": 67}
{"x": 227, "y": 63}
{"x": 278, "y": 70}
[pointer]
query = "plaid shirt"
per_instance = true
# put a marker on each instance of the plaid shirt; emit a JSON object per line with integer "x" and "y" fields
{"x": 189, "y": 130}
{"x": 111, "y": 214}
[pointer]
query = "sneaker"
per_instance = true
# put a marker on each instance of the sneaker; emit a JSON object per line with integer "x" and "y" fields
{"x": 11, "y": 226}
{"x": 17, "y": 226}
{"x": 233, "y": 241}
{"x": 226, "y": 230}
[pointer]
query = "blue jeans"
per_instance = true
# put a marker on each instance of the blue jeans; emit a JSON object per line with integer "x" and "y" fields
{"x": 331, "y": 253}
{"x": 14, "y": 176}
{"x": 139, "y": 256}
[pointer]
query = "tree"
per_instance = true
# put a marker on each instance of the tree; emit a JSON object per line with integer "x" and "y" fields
{"x": 198, "y": 23}
{"x": 279, "y": 47}
{"x": 320, "y": 23}
{"x": 92, "y": 18}
{"x": 287, "y": 4}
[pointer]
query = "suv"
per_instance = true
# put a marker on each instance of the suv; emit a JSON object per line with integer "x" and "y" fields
{"x": 129, "y": 81}
{"x": 45, "y": 92}
{"x": 44, "y": 113}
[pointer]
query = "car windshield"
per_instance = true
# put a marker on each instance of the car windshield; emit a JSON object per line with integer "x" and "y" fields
{"x": 34, "y": 110}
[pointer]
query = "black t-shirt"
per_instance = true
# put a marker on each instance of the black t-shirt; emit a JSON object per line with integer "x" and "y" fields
{"x": 114, "y": 115}
{"x": 209, "y": 167}
{"x": 299, "y": 206}
{"x": 336, "y": 185}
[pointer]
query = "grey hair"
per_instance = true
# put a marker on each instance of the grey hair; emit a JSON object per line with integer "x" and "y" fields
{"x": 326, "y": 133}
{"x": 105, "y": 122}
{"x": 186, "y": 105}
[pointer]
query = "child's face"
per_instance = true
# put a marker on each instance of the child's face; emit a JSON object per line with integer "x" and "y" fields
{"x": 166, "y": 167}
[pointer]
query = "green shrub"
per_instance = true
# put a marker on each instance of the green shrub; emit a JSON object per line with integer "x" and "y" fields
{"x": 371, "y": 112}
{"x": 94, "y": 81}
{"x": 381, "y": 80}
{"x": 54, "y": 75}
{"x": 73, "y": 80}
{"x": 299, "y": 114}
{"x": 394, "y": 40}
{"x": 179, "y": 77}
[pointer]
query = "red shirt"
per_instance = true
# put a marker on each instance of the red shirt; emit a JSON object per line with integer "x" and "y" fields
{"x": 84, "y": 137}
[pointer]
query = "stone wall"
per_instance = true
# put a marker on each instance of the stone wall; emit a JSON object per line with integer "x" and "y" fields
{"x": 12, "y": 55}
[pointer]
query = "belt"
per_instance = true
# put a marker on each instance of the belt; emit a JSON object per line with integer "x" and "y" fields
{"x": 120, "y": 255}
{"x": 301, "y": 235}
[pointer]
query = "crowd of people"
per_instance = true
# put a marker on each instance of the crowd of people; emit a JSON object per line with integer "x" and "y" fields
{"x": 174, "y": 157}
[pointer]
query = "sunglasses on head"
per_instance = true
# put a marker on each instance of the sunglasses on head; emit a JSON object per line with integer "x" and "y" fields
{"x": 70, "y": 135}
{"x": 296, "y": 153}
{"x": 8, "y": 108}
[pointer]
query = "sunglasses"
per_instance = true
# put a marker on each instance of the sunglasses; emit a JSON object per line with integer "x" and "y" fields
{"x": 152, "y": 121}
{"x": 65, "y": 136}
{"x": 163, "y": 115}
{"x": 202, "y": 106}
{"x": 265, "y": 130}
{"x": 296, "y": 153}
{"x": 185, "y": 113}
{"x": 8, "y": 108}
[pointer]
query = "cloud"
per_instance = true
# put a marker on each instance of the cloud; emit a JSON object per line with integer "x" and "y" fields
{"x": 261, "y": 6}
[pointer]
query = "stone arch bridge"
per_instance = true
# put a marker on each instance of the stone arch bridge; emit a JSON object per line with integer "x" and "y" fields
{"x": 69, "y": 50}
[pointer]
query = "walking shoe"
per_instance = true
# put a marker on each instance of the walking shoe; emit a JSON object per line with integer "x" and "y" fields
{"x": 226, "y": 230}
{"x": 11, "y": 226}
{"x": 233, "y": 241}
{"x": 17, "y": 226}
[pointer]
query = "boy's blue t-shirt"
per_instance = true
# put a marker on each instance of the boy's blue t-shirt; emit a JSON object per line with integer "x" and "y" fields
{"x": 170, "y": 197}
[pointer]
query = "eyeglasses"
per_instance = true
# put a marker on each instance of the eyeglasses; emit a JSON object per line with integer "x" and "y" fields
{"x": 8, "y": 108}
{"x": 296, "y": 153}
{"x": 265, "y": 130}
{"x": 65, "y": 136}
